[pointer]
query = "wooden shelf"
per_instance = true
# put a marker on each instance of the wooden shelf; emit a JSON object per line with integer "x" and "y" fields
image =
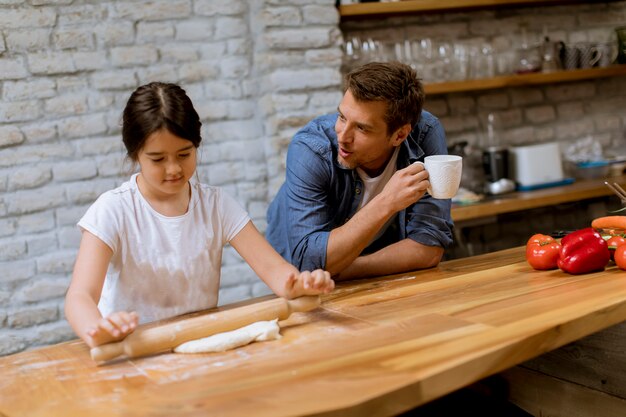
{"x": 518, "y": 80}
{"x": 525, "y": 200}
{"x": 370, "y": 10}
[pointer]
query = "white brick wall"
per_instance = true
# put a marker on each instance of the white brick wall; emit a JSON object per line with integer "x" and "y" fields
{"x": 66, "y": 71}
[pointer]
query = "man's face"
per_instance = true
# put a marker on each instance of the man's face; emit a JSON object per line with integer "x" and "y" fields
{"x": 362, "y": 135}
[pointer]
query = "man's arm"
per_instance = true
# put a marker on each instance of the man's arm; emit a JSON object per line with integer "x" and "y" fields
{"x": 346, "y": 242}
{"x": 405, "y": 255}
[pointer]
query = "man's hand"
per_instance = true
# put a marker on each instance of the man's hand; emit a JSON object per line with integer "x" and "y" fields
{"x": 405, "y": 187}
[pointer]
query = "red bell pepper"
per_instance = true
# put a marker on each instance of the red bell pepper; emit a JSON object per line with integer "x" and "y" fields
{"x": 583, "y": 251}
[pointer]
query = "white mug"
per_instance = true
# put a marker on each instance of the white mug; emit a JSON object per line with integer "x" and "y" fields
{"x": 589, "y": 55}
{"x": 444, "y": 175}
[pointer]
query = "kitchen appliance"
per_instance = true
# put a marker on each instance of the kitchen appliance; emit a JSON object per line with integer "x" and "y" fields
{"x": 495, "y": 162}
{"x": 537, "y": 166}
{"x": 495, "y": 165}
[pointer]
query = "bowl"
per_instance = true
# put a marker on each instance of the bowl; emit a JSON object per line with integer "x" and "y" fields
{"x": 591, "y": 170}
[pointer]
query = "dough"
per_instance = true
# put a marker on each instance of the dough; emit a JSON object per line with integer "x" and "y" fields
{"x": 255, "y": 332}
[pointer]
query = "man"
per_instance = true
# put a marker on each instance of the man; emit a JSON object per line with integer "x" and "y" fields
{"x": 353, "y": 202}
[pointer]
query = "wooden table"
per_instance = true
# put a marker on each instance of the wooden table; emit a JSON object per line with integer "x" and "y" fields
{"x": 524, "y": 200}
{"x": 376, "y": 347}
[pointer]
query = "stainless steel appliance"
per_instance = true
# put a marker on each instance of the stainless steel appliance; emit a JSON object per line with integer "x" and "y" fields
{"x": 495, "y": 161}
{"x": 495, "y": 165}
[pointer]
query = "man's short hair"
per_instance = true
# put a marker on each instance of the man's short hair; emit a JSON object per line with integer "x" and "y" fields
{"x": 393, "y": 82}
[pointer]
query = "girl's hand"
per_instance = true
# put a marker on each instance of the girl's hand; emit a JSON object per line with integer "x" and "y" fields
{"x": 309, "y": 283}
{"x": 114, "y": 327}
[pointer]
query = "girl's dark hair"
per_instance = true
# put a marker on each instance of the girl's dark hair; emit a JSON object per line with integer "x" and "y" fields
{"x": 156, "y": 106}
{"x": 394, "y": 83}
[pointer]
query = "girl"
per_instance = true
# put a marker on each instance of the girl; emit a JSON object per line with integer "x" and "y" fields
{"x": 152, "y": 248}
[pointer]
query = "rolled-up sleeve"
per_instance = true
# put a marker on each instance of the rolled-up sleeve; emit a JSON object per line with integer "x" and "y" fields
{"x": 428, "y": 221}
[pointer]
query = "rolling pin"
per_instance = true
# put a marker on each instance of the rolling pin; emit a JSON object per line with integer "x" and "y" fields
{"x": 166, "y": 337}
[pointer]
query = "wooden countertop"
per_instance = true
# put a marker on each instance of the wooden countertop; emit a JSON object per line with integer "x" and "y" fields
{"x": 376, "y": 347}
{"x": 524, "y": 200}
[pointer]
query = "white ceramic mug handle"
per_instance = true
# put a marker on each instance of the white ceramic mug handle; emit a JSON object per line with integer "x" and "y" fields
{"x": 430, "y": 191}
{"x": 597, "y": 55}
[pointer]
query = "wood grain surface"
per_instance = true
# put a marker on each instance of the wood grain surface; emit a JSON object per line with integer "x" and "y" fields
{"x": 375, "y": 347}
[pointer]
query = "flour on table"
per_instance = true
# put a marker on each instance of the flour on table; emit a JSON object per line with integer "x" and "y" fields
{"x": 255, "y": 332}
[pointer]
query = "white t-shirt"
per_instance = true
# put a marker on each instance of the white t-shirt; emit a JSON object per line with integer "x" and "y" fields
{"x": 374, "y": 186}
{"x": 162, "y": 266}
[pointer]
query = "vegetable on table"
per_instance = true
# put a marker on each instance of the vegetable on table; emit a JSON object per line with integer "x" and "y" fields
{"x": 542, "y": 252}
{"x": 613, "y": 243}
{"x": 583, "y": 251}
{"x": 615, "y": 225}
{"x": 620, "y": 257}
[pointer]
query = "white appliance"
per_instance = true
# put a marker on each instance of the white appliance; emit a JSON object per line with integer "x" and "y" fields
{"x": 536, "y": 165}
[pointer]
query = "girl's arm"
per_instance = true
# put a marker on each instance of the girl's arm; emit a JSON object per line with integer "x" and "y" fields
{"x": 81, "y": 300}
{"x": 282, "y": 277}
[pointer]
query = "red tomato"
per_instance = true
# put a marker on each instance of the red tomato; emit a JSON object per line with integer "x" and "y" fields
{"x": 620, "y": 257}
{"x": 542, "y": 252}
{"x": 539, "y": 238}
{"x": 614, "y": 243}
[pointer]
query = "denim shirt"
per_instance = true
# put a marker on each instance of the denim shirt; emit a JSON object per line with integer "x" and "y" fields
{"x": 319, "y": 195}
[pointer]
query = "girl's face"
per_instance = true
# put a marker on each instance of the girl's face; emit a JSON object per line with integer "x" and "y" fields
{"x": 167, "y": 163}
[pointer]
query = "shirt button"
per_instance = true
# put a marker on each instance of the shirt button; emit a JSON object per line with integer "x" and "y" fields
{"x": 357, "y": 191}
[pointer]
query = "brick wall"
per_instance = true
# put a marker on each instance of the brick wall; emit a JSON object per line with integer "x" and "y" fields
{"x": 255, "y": 70}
